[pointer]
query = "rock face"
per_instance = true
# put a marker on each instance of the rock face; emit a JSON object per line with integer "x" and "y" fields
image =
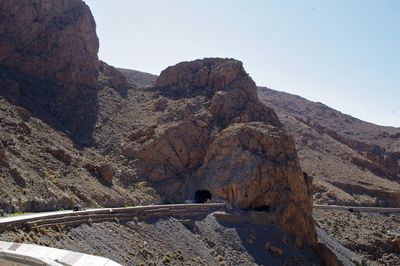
{"x": 48, "y": 61}
{"x": 215, "y": 136}
{"x": 49, "y": 39}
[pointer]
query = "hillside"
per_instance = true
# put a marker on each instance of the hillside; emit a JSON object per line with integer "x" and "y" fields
{"x": 75, "y": 130}
{"x": 351, "y": 161}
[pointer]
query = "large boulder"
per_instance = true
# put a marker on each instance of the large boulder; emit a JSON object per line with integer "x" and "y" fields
{"x": 49, "y": 63}
{"x": 255, "y": 166}
{"x": 216, "y": 139}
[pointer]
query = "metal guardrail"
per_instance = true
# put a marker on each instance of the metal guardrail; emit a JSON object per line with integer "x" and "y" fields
{"x": 17, "y": 257}
{"x": 108, "y": 214}
{"x": 357, "y": 208}
{"x": 92, "y": 216}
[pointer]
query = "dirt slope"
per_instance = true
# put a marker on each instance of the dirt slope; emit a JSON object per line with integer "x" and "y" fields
{"x": 351, "y": 161}
{"x": 210, "y": 240}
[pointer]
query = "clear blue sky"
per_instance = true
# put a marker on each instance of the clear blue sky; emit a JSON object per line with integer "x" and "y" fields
{"x": 344, "y": 53}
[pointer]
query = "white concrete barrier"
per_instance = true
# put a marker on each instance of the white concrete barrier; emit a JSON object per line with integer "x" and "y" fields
{"x": 33, "y": 255}
{"x": 16, "y": 258}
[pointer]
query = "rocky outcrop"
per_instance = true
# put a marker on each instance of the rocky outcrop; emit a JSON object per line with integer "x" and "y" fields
{"x": 216, "y": 137}
{"x": 49, "y": 63}
{"x": 255, "y": 166}
{"x": 111, "y": 77}
{"x": 49, "y": 39}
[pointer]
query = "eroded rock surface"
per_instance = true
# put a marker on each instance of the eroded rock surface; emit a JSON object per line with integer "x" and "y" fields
{"x": 214, "y": 135}
{"x": 49, "y": 39}
{"x": 49, "y": 63}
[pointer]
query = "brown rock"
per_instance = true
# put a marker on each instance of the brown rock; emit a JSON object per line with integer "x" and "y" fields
{"x": 201, "y": 77}
{"x": 396, "y": 244}
{"x": 142, "y": 134}
{"x": 254, "y": 165}
{"x": 49, "y": 64}
{"x": 4, "y": 159}
{"x": 105, "y": 174}
{"x": 61, "y": 35}
{"x": 113, "y": 78}
{"x": 160, "y": 104}
{"x": 102, "y": 171}
{"x": 225, "y": 143}
{"x": 24, "y": 114}
{"x": 176, "y": 150}
{"x": 327, "y": 256}
{"x": 23, "y": 128}
{"x": 276, "y": 251}
{"x": 61, "y": 155}
{"x": 18, "y": 178}
{"x": 298, "y": 243}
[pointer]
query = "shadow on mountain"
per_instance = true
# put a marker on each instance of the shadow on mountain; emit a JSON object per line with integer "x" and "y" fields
{"x": 66, "y": 107}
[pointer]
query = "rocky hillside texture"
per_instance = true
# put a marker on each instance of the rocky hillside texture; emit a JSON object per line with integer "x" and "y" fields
{"x": 50, "y": 78}
{"x": 49, "y": 64}
{"x": 351, "y": 161}
{"x": 210, "y": 133}
{"x": 138, "y": 78}
{"x": 214, "y": 240}
{"x": 75, "y": 130}
{"x": 374, "y": 236}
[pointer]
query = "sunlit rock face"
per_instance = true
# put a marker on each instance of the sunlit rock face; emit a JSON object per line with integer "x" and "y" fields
{"x": 217, "y": 137}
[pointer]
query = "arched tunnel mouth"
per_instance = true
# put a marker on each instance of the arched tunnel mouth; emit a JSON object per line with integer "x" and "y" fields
{"x": 202, "y": 196}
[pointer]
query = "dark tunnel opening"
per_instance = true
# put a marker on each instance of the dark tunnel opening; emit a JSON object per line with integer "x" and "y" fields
{"x": 202, "y": 196}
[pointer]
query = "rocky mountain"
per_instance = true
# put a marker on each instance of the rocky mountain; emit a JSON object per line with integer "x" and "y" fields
{"x": 49, "y": 63}
{"x": 210, "y": 133}
{"x": 49, "y": 86}
{"x": 76, "y": 130}
{"x": 351, "y": 161}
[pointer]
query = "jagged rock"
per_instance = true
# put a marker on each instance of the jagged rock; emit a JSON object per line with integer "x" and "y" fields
{"x": 49, "y": 39}
{"x": 105, "y": 173}
{"x": 202, "y": 77}
{"x": 254, "y": 165}
{"x": 142, "y": 134}
{"x": 49, "y": 63}
{"x": 114, "y": 78}
{"x": 18, "y": 178}
{"x": 61, "y": 155}
{"x": 102, "y": 171}
{"x": 223, "y": 140}
{"x": 24, "y": 114}
{"x": 4, "y": 159}
{"x": 276, "y": 251}
{"x": 160, "y": 104}
{"x": 177, "y": 149}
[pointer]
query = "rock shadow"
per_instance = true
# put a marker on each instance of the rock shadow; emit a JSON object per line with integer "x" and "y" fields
{"x": 66, "y": 107}
{"x": 261, "y": 241}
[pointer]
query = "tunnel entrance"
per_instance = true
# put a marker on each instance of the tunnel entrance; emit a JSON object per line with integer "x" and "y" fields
{"x": 202, "y": 196}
